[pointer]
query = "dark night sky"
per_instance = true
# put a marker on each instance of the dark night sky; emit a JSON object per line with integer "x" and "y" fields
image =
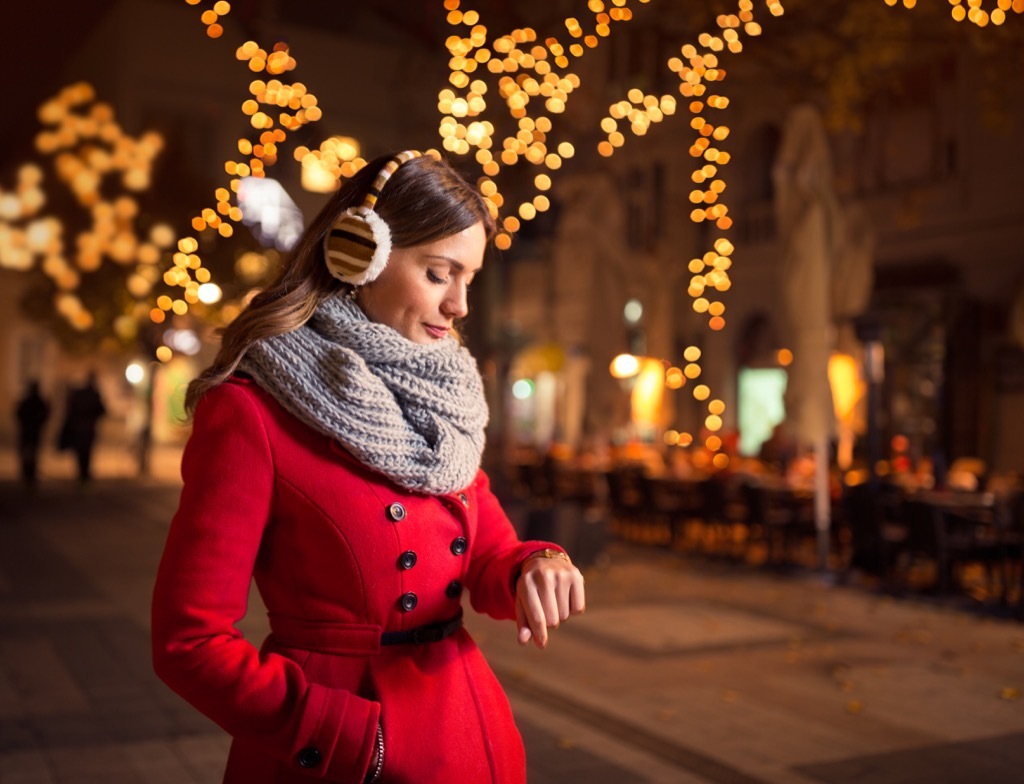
{"x": 38, "y": 44}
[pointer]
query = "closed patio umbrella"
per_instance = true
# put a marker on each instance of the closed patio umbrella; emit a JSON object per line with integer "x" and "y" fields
{"x": 808, "y": 217}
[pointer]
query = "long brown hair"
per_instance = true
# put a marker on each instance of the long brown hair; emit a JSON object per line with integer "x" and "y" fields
{"x": 425, "y": 200}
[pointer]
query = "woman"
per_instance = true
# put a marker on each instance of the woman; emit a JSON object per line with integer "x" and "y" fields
{"x": 335, "y": 457}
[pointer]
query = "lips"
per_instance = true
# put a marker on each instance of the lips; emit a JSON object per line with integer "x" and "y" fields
{"x": 436, "y": 332}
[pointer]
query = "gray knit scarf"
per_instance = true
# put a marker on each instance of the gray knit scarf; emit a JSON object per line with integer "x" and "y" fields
{"x": 414, "y": 412}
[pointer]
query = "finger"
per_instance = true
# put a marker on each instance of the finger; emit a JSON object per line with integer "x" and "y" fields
{"x": 577, "y": 596}
{"x": 533, "y": 607}
{"x": 562, "y": 596}
{"x": 548, "y": 590}
{"x": 524, "y": 628}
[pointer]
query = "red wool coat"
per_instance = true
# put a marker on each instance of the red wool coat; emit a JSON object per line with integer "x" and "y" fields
{"x": 339, "y": 554}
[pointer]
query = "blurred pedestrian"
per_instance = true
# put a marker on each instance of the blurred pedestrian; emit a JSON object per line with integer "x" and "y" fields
{"x": 31, "y": 412}
{"x": 78, "y": 433}
{"x": 335, "y": 457}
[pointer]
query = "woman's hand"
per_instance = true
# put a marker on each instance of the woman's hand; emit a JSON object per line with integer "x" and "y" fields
{"x": 548, "y": 591}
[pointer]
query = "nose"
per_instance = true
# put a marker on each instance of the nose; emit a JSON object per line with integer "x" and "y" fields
{"x": 455, "y": 304}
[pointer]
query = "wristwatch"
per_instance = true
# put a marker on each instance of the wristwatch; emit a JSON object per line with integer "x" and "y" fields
{"x": 548, "y": 552}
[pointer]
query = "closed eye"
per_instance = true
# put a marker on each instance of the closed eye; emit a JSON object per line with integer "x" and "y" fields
{"x": 433, "y": 277}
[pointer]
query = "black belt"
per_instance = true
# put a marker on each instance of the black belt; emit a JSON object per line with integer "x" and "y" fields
{"x": 432, "y": 632}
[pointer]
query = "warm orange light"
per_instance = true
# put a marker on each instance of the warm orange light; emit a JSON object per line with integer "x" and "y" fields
{"x": 648, "y": 392}
{"x": 624, "y": 366}
{"x": 847, "y": 391}
{"x": 847, "y": 386}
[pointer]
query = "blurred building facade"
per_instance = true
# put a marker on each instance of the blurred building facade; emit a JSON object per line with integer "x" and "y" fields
{"x": 929, "y": 188}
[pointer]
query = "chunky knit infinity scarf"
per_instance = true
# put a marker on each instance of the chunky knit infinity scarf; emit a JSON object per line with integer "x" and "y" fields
{"x": 411, "y": 411}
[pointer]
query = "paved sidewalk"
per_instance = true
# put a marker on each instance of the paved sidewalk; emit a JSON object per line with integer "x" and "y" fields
{"x": 680, "y": 671}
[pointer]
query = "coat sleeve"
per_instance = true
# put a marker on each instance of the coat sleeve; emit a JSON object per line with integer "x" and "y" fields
{"x": 497, "y": 556}
{"x": 201, "y": 593}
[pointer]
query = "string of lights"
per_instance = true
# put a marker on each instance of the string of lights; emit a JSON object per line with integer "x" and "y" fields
{"x": 89, "y": 153}
{"x": 526, "y": 74}
{"x": 531, "y": 79}
{"x": 529, "y": 76}
{"x": 974, "y": 12}
{"x": 274, "y": 108}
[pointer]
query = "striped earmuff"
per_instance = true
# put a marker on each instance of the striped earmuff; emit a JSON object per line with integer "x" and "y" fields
{"x": 357, "y": 247}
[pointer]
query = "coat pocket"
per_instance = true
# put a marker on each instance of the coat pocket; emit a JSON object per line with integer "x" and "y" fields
{"x": 445, "y": 717}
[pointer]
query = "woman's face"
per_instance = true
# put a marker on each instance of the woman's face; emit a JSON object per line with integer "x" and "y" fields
{"x": 422, "y": 290}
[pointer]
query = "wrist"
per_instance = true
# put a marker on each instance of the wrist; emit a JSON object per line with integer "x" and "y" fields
{"x": 545, "y": 552}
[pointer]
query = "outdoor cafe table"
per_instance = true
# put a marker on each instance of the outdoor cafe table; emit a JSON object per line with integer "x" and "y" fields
{"x": 964, "y": 525}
